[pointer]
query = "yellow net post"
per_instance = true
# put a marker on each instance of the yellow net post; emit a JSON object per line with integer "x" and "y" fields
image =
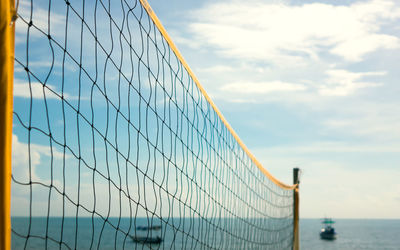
{"x": 296, "y": 210}
{"x": 7, "y": 31}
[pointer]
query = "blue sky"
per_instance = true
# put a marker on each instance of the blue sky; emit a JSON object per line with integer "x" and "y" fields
{"x": 105, "y": 123}
{"x": 305, "y": 84}
{"x": 309, "y": 84}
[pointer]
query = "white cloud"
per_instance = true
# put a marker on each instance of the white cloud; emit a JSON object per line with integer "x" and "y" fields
{"x": 356, "y": 47}
{"x": 302, "y": 53}
{"x": 261, "y": 87}
{"x": 217, "y": 69}
{"x": 285, "y": 34}
{"x": 24, "y": 89}
{"x": 380, "y": 126}
{"x": 341, "y": 82}
{"x": 47, "y": 64}
{"x": 40, "y": 20}
{"x": 337, "y": 82}
{"x": 21, "y": 158}
{"x": 34, "y": 90}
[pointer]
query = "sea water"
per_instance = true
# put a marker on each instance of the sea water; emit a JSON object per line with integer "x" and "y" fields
{"x": 352, "y": 234}
{"x": 114, "y": 233}
{"x": 96, "y": 233}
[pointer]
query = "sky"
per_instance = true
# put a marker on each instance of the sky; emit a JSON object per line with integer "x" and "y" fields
{"x": 308, "y": 84}
{"x": 107, "y": 120}
{"x": 304, "y": 84}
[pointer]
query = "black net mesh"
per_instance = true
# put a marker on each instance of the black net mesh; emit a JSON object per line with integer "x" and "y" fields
{"x": 115, "y": 146}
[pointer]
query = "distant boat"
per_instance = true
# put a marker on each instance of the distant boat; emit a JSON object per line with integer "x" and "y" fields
{"x": 147, "y": 240}
{"x": 148, "y": 228}
{"x": 328, "y": 232}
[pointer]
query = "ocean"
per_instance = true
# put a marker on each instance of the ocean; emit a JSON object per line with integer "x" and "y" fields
{"x": 371, "y": 234}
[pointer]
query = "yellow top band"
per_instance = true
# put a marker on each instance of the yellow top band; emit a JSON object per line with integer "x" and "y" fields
{"x": 161, "y": 28}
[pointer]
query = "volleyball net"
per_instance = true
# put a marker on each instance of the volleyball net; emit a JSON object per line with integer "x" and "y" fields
{"x": 115, "y": 144}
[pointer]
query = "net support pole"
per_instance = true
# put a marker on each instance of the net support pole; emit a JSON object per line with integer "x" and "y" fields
{"x": 296, "y": 212}
{"x": 7, "y": 32}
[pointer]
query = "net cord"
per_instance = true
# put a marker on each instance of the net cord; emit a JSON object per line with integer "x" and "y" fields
{"x": 162, "y": 30}
{"x": 213, "y": 222}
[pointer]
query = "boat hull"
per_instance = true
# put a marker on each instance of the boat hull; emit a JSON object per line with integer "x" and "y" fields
{"x": 147, "y": 240}
{"x": 327, "y": 236}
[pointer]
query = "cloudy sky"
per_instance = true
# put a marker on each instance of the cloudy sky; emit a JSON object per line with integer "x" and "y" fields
{"x": 309, "y": 84}
{"x": 304, "y": 84}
